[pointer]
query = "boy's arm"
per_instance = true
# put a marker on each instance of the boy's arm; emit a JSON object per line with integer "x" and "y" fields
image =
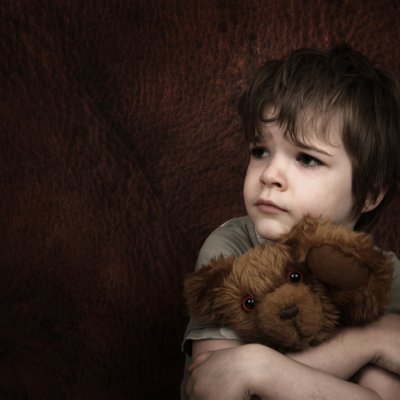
{"x": 377, "y": 343}
{"x": 258, "y": 369}
{"x": 240, "y": 372}
{"x": 383, "y": 382}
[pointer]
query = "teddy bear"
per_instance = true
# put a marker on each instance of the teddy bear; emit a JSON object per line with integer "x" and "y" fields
{"x": 297, "y": 291}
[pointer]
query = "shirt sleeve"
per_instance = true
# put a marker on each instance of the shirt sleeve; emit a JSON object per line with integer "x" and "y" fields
{"x": 198, "y": 331}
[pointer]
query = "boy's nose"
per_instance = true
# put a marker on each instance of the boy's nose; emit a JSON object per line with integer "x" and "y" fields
{"x": 274, "y": 176}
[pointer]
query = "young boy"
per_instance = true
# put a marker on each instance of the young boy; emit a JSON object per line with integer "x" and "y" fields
{"x": 324, "y": 134}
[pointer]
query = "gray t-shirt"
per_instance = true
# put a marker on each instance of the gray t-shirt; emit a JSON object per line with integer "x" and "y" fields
{"x": 233, "y": 238}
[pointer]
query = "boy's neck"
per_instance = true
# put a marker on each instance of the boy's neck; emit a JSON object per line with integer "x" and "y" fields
{"x": 261, "y": 240}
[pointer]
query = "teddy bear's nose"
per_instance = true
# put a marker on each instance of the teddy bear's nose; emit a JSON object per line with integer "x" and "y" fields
{"x": 289, "y": 312}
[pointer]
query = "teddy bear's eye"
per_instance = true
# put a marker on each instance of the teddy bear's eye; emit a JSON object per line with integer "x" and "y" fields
{"x": 294, "y": 277}
{"x": 248, "y": 303}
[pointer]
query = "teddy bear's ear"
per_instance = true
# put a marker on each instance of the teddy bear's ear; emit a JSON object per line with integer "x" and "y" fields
{"x": 202, "y": 288}
{"x": 336, "y": 268}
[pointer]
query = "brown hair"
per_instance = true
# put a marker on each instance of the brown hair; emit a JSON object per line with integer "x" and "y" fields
{"x": 336, "y": 82}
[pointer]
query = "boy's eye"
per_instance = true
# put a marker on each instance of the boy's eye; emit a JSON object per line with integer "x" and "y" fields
{"x": 308, "y": 161}
{"x": 259, "y": 152}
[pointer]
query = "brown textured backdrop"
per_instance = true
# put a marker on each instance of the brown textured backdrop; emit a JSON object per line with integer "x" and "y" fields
{"x": 120, "y": 150}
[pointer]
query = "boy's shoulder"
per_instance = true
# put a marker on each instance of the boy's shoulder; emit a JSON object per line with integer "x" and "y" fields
{"x": 232, "y": 238}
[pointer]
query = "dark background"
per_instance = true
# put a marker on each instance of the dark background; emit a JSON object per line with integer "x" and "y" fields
{"x": 120, "y": 151}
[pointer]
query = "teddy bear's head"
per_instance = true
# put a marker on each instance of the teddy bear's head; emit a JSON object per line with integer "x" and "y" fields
{"x": 297, "y": 291}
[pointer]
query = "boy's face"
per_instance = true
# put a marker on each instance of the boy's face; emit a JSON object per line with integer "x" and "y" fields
{"x": 286, "y": 180}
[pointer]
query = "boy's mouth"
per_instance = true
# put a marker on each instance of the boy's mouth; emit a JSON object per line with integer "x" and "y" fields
{"x": 268, "y": 207}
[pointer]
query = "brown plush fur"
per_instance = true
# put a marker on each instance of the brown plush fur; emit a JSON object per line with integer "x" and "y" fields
{"x": 345, "y": 280}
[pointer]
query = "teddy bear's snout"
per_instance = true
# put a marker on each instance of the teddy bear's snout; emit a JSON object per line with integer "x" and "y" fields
{"x": 289, "y": 312}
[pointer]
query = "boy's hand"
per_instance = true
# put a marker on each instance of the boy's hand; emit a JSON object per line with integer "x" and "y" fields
{"x": 385, "y": 335}
{"x": 222, "y": 374}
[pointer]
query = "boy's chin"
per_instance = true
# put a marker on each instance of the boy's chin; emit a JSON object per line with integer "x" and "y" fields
{"x": 271, "y": 230}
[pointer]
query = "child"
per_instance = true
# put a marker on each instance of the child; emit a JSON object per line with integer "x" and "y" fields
{"x": 324, "y": 134}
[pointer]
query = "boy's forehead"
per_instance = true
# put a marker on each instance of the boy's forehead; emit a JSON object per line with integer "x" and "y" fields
{"x": 309, "y": 126}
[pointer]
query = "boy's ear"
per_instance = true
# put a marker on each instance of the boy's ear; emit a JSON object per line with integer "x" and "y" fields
{"x": 371, "y": 203}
